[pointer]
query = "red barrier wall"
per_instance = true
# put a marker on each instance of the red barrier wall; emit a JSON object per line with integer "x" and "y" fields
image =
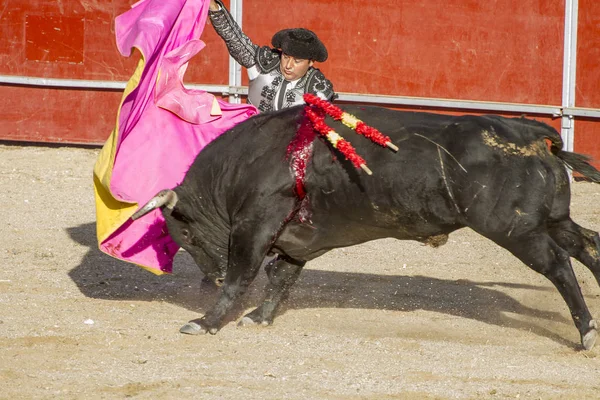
{"x": 464, "y": 49}
{"x": 456, "y": 49}
{"x": 587, "y": 131}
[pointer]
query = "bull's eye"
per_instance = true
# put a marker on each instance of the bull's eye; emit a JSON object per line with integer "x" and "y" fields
{"x": 185, "y": 233}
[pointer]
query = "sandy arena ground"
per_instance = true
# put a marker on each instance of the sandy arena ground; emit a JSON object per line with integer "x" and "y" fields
{"x": 384, "y": 320}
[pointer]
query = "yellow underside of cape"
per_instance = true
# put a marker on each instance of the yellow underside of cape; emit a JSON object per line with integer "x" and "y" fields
{"x": 110, "y": 212}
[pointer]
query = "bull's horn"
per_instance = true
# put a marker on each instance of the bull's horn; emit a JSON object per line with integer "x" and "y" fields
{"x": 166, "y": 198}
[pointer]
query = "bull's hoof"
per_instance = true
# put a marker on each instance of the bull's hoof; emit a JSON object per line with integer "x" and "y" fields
{"x": 192, "y": 328}
{"x": 248, "y": 321}
{"x": 589, "y": 339}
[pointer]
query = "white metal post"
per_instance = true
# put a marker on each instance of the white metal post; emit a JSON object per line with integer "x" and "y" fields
{"x": 235, "y": 70}
{"x": 569, "y": 72}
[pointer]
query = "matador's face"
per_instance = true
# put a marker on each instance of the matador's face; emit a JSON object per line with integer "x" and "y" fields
{"x": 293, "y": 68}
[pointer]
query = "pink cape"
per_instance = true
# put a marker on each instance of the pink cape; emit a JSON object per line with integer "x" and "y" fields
{"x": 161, "y": 127}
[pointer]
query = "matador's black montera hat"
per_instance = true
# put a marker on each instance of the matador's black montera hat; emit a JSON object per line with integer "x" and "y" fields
{"x": 300, "y": 43}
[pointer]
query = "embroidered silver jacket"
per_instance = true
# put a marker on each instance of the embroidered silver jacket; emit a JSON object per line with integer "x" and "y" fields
{"x": 265, "y": 86}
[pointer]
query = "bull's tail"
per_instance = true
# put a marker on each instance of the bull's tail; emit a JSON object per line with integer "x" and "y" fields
{"x": 575, "y": 161}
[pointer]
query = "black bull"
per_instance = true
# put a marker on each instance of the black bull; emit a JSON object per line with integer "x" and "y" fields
{"x": 504, "y": 178}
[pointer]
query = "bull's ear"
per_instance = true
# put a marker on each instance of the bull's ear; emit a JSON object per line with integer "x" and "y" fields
{"x": 167, "y": 211}
{"x": 176, "y": 213}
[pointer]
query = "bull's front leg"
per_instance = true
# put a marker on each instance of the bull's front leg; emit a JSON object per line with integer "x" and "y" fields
{"x": 235, "y": 286}
{"x": 249, "y": 242}
{"x": 282, "y": 272}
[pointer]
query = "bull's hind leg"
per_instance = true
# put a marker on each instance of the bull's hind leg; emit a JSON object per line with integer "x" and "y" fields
{"x": 282, "y": 272}
{"x": 540, "y": 252}
{"x": 581, "y": 243}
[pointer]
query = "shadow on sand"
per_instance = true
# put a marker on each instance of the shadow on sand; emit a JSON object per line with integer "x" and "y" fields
{"x": 102, "y": 277}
